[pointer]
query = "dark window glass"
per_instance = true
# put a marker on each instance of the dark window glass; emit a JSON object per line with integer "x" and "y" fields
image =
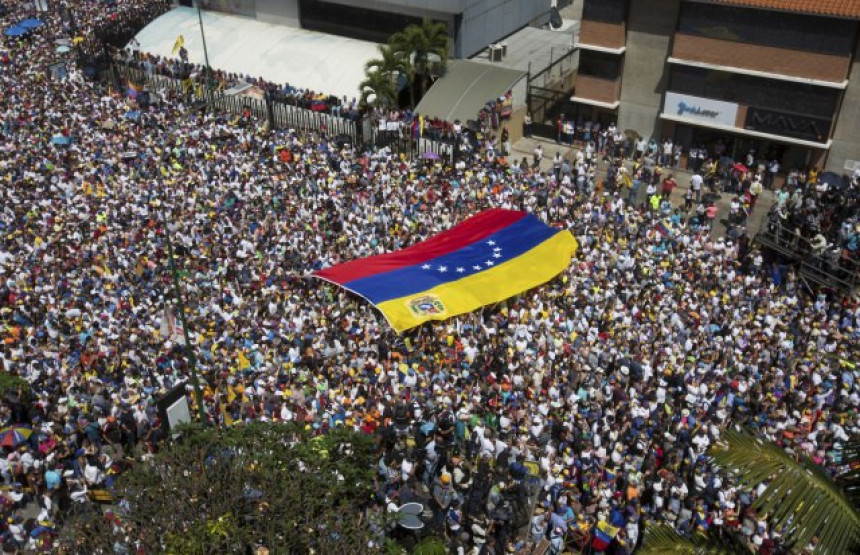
{"x": 599, "y": 64}
{"x": 348, "y": 21}
{"x": 609, "y": 11}
{"x": 777, "y": 29}
{"x": 773, "y": 94}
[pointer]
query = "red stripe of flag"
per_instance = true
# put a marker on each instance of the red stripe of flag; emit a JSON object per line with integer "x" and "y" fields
{"x": 470, "y": 231}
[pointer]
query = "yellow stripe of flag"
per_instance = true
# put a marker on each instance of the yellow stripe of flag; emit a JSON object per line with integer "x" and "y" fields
{"x": 532, "y": 268}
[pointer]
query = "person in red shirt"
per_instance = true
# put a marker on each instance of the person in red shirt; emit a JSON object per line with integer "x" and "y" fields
{"x": 669, "y": 185}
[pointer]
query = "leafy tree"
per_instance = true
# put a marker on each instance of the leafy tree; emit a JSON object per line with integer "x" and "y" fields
{"x": 11, "y": 384}
{"x": 421, "y": 45}
{"x": 799, "y": 499}
{"x": 231, "y": 490}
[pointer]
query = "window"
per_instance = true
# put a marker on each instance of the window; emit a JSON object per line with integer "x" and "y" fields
{"x": 771, "y": 94}
{"x": 348, "y": 21}
{"x": 766, "y": 28}
{"x": 599, "y": 64}
{"x": 608, "y": 11}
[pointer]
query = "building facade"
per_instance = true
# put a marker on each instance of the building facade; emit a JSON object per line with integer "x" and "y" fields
{"x": 776, "y": 77}
{"x": 472, "y": 24}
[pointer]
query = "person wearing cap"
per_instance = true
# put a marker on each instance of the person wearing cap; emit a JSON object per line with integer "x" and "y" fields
{"x": 442, "y": 494}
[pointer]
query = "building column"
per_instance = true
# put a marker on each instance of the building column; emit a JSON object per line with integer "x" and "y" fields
{"x": 650, "y": 27}
{"x": 846, "y": 136}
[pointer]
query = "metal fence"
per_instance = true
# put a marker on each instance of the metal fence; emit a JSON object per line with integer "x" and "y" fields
{"x": 281, "y": 114}
{"x": 403, "y": 142}
{"x": 563, "y": 63}
{"x": 278, "y": 112}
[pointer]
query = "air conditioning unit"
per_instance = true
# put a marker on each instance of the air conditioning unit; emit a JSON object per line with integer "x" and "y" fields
{"x": 495, "y": 53}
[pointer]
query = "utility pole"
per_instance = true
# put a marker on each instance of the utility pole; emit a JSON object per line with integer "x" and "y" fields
{"x": 205, "y": 51}
{"x": 189, "y": 351}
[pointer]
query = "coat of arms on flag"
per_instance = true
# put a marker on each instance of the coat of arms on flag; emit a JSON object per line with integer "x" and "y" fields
{"x": 492, "y": 256}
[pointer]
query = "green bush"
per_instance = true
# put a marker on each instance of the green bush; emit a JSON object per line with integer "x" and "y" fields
{"x": 9, "y": 384}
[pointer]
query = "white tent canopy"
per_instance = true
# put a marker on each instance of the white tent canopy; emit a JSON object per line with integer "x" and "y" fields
{"x": 305, "y": 59}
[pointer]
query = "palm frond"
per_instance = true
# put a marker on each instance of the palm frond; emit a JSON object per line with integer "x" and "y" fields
{"x": 799, "y": 499}
{"x": 380, "y": 85}
{"x": 664, "y": 540}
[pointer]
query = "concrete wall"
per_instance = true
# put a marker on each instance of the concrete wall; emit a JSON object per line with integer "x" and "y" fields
{"x": 487, "y": 21}
{"x": 846, "y": 137}
{"x": 279, "y": 12}
{"x": 650, "y": 26}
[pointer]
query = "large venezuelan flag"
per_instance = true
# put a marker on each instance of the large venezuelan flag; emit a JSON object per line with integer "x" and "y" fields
{"x": 485, "y": 259}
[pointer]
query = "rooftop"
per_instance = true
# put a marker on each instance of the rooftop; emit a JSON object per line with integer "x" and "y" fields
{"x": 305, "y": 59}
{"x": 836, "y": 8}
{"x": 531, "y": 45}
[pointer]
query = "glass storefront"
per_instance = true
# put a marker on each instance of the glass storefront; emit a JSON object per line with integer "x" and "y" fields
{"x": 720, "y": 143}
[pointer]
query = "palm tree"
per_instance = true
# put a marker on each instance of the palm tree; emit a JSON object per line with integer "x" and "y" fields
{"x": 799, "y": 499}
{"x": 390, "y": 62}
{"x": 381, "y": 86}
{"x": 425, "y": 46}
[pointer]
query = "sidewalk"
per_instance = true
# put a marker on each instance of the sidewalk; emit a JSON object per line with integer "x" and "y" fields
{"x": 525, "y": 147}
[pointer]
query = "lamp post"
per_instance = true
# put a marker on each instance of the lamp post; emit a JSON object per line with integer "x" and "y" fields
{"x": 205, "y": 51}
{"x": 189, "y": 351}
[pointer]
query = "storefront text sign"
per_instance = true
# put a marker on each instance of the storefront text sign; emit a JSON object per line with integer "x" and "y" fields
{"x": 701, "y": 109}
{"x": 787, "y": 124}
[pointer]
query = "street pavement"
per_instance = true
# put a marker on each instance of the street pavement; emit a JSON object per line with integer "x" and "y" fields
{"x": 525, "y": 148}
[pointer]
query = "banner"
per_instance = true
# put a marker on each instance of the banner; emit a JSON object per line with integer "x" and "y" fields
{"x": 492, "y": 256}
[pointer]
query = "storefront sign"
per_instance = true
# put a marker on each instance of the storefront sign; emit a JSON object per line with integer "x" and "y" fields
{"x": 705, "y": 110}
{"x": 789, "y": 125}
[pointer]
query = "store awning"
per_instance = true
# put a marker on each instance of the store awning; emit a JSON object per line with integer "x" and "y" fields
{"x": 465, "y": 88}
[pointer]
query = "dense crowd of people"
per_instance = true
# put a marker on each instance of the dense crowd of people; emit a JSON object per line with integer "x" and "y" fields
{"x": 597, "y": 395}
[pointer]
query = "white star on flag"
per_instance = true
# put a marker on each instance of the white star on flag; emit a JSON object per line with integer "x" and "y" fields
{"x": 476, "y": 267}
{"x": 497, "y": 249}
{"x": 497, "y": 255}
{"x": 425, "y": 267}
{"x": 489, "y": 262}
{"x": 461, "y": 270}
{"x": 443, "y": 269}
{"x": 491, "y": 242}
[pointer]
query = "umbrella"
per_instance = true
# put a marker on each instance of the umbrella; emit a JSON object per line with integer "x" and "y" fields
{"x": 833, "y": 179}
{"x": 31, "y": 23}
{"x": 408, "y": 516}
{"x": 740, "y": 167}
{"x": 132, "y": 114}
{"x": 430, "y": 155}
{"x": 15, "y": 31}
{"x": 13, "y": 436}
{"x": 61, "y": 140}
{"x": 62, "y": 49}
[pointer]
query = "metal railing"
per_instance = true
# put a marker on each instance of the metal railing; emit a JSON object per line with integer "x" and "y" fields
{"x": 282, "y": 114}
{"x": 831, "y": 268}
{"x": 278, "y": 112}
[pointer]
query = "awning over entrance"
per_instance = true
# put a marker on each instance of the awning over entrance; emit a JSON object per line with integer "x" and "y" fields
{"x": 465, "y": 88}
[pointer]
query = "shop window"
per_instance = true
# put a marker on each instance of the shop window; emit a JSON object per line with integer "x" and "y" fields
{"x": 786, "y": 96}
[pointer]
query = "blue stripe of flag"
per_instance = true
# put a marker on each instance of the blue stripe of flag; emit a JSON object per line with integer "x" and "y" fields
{"x": 511, "y": 242}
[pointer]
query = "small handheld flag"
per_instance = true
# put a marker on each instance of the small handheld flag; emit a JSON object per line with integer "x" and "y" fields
{"x": 134, "y": 89}
{"x": 180, "y": 42}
